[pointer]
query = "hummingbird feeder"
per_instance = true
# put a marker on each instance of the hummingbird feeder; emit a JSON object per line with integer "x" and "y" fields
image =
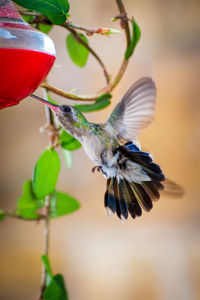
{"x": 26, "y": 56}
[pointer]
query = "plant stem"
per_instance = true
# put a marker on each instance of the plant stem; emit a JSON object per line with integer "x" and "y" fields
{"x": 117, "y": 78}
{"x": 70, "y": 26}
{"x": 125, "y": 26}
{"x": 77, "y": 37}
{"x": 30, "y": 13}
{"x": 67, "y": 95}
{"x": 111, "y": 85}
{"x": 124, "y": 20}
{"x": 90, "y": 31}
{"x": 50, "y": 121}
{"x": 48, "y": 112}
{"x": 15, "y": 216}
{"x": 46, "y": 247}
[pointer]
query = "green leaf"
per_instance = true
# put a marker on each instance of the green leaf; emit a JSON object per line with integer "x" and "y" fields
{"x": 55, "y": 286}
{"x": 55, "y": 10}
{"x": 77, "y": 51}
{"x": 45, "y": 174}
{"x": 67, "y": 158}
{"x": 52, "y": 291}
{"x": 27, "y": 18}
{"x": 68, "y": 142}
{"x": 62, "y": 204}
{"x": 28, "y": 204}
{"x": 56, "y": 289}
{"x": 114, "y": 19}
{"x": 136, "y": 34}
{"x": 46, "y": 28}
{"x": 112, "y": 31}
{"x": 2, "y": 215}
{"x": 46, "y": 263}
{"x": 101, "y": 102}
{"x": 60, "y": 282}
{"x": 47, "y": 266}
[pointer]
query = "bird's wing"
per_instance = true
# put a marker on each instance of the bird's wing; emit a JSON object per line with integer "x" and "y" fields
{"x": 134, "y": 112}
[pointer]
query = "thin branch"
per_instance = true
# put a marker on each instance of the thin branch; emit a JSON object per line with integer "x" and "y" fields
{"x": 50, "y": 121}
{"x": 46, "y": 247}
{"x": 117, "y": 78}
{"x": 77, "y": 37}
{"x": 90, "y": 31}
{"x": 30, "y": 13}
{"x": 124, "y": 20}
{"x": 125, "y": 25}
{"x": 70, "y": 26}
{"x": 67, "y": 95}
{"x": 110, "y": 85}
{"x": 46, "y": 232}
{"x": 15, "y": 216}
{"x": 48, "y": 112}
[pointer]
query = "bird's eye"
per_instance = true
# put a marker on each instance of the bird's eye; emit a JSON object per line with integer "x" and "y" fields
{"x": 67, "y": 109}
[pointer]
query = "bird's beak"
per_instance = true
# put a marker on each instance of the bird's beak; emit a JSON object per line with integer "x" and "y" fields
{"x": 54, "y": 107}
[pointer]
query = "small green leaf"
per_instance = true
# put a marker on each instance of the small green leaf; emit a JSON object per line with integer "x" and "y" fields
{"x": 2, "y": 215}
{"x": 114, "y": 19}
{"x": 60, "y": 282}
{"x": 101, "y": 102}
{"x": 52, "y": 291}
{"x": 46, "y": 263}
{"x": 28, "y": 19}
{"x": 67, "y": 157}
{"x": 56, "y": 289}
{"x": 55, "y": 286}
{"x": 46, "y": 173}
{"x": 136, "y": 34}
{"x": 46, "y": 28}
{"x": 47, "y": 266}
{"x": 55, "y": 10}
{"x": 112, "y": 31}
{"x": 62, "y": 204}
{"x": 68, "y": 142}
{"x": 28, "y": 204}
{"x": 77, "y": 51}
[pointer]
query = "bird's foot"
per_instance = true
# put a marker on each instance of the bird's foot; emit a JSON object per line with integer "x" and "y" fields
{"x": 98, "y": 168}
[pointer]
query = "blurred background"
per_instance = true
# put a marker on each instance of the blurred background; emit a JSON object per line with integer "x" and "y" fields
{"x": 157, "y": 256}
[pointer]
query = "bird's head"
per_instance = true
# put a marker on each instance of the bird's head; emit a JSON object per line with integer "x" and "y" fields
{"x": 69, "y": 116}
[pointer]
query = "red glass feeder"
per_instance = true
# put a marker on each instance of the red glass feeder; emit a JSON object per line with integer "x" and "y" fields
{"x": 26, "y": 56}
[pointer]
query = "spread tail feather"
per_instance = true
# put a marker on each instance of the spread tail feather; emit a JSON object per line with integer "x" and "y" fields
{"x": 123, "y": 196}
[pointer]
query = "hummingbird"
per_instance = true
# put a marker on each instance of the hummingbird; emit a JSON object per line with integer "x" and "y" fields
{"x": 134, "y": 181}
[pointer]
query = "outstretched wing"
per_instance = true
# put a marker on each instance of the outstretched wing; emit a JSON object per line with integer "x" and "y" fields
{"x": 134, "y": 112}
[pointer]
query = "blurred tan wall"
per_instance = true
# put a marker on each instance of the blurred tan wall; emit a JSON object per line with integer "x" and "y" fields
{"x": 157, "y": 256}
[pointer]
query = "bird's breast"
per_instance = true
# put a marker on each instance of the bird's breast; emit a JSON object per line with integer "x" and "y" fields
{"x": 93, "y": 147}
